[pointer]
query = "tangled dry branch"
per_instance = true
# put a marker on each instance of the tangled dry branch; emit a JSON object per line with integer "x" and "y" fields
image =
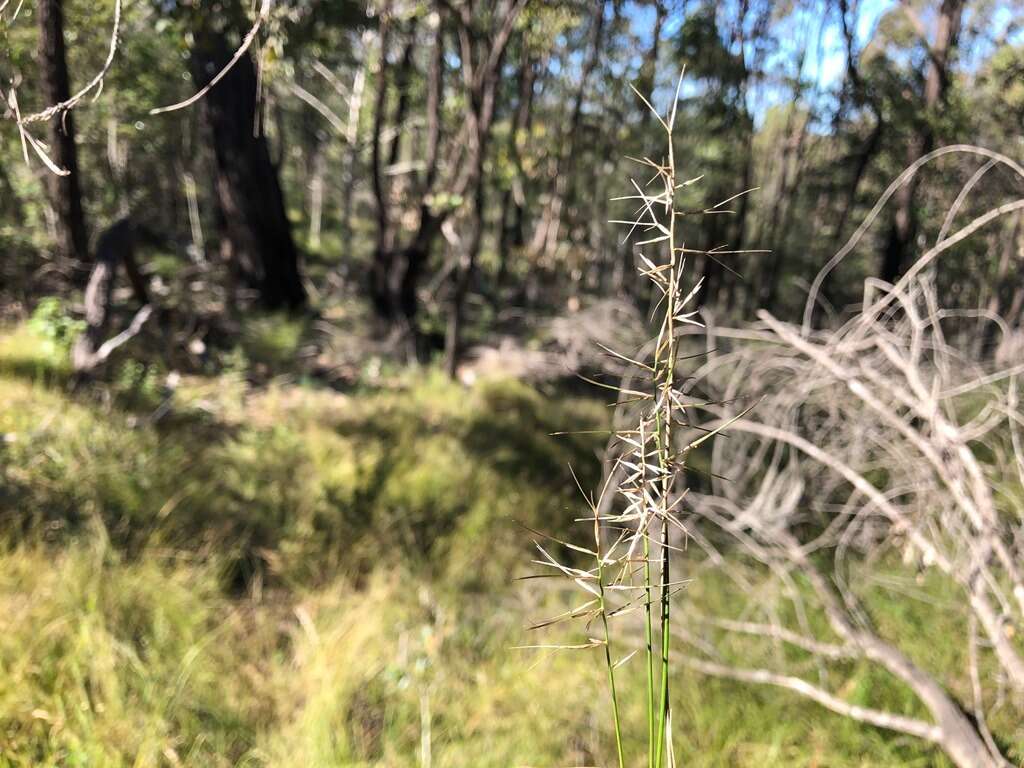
{"x": 888, "y": 438}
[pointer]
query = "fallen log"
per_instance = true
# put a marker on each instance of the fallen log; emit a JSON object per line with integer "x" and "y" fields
{"x": 115, "y": 246}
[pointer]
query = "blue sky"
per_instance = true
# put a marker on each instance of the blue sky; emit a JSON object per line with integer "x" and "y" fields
{"x": 825, "y": 63}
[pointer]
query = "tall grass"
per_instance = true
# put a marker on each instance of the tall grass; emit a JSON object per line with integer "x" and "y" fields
{"x": 635, "y": 562}
{"x": 122, "y": 654}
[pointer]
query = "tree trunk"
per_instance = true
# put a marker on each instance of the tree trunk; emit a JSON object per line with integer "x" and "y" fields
{"x": 513, "y": 204}
{"x": 64, "y": 192}
{"x": 355, "y": 108}
{"x": 248, "y": 188}
{"x": 402, "y": 280}
{"x": 460, "y": 284}
{"x": 10, "y": 202}
{"x": 738, "y": 240}
{"x": 403, "y": 77}
{"x": 792, "y": 157}
{"x": 545, "y": 237}
{"x": 903, "y": 230}
{"x": 115, "y": 246}
{"x": 649, "y": 68}
{"x": 383, "y": 257}
{"x": 381, "y": 274}
{"x": 862, "y": 97}
{"x": 481, "y": 60}
{"x": 631, "y": 278}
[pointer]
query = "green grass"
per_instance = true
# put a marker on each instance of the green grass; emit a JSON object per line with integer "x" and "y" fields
{"x": 288, "y": 576}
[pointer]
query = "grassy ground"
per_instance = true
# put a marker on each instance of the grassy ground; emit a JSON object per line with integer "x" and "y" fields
{"x": 289, "y": 576}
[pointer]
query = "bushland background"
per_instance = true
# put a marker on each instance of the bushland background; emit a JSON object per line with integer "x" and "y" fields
{"x": 289, "y": 374}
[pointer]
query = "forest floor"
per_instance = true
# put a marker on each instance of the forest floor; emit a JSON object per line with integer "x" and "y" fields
{"x": 287, "y": 575}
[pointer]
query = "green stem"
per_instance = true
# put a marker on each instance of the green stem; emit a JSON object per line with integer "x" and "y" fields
{"x": 665, "y": 637}
{"x": 663, "y": 415}
{"x": 649, "y": 640}
{"x": 611, "y": 683}
{"x": 609, "y": 663}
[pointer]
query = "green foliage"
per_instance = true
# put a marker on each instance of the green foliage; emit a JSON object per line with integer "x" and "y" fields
{"x": 303, "y": 482}
{"x": 121, "y": 664}
{"x": 55, "y": 326}
{"x": 361, "y": 586}
{"x": 287, "y": 576}
{"x": 273, "y": 340}
{"x": 443, "y": 202}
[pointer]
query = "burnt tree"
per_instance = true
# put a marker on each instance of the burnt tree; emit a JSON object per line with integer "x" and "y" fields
{"x": 903, "y": 230}
{"x": 115, "y": 246}
{"x": 64, "y": 192}
{"x": 248, "y": 189}
{"x": 439, "y": 187}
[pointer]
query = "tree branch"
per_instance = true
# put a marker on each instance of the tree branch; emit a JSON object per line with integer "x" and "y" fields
{"x": 876, "y": 717}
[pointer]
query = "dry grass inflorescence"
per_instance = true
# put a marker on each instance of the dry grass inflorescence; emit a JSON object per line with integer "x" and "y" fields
{"x": 635, "y": 517}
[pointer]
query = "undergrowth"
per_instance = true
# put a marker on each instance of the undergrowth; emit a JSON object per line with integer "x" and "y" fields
{"x": 291, "y": 483}
{"x": 288, "y": 576}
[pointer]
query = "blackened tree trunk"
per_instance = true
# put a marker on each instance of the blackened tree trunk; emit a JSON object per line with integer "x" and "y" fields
{"x": 863, "y": 99}
{"x": 481, "y": 59}
{"x": 396, "y": 271}
{"x": 248, "y": 188}
{"x": 903, "y": 230}
{"x": 513, "y": 204}
{"x": 461, "y": 280}
{"x": 64, "y": 192}
{"x": 114, "y": 247}
{"x": 10, "y": 202}
{"x": 481, "y": 70}
{"x": 383, "y": 257}
{"x": 382, "y": 271}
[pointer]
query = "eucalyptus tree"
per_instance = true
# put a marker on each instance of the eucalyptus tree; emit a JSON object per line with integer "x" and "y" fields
{"x": 65, "y": 190}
